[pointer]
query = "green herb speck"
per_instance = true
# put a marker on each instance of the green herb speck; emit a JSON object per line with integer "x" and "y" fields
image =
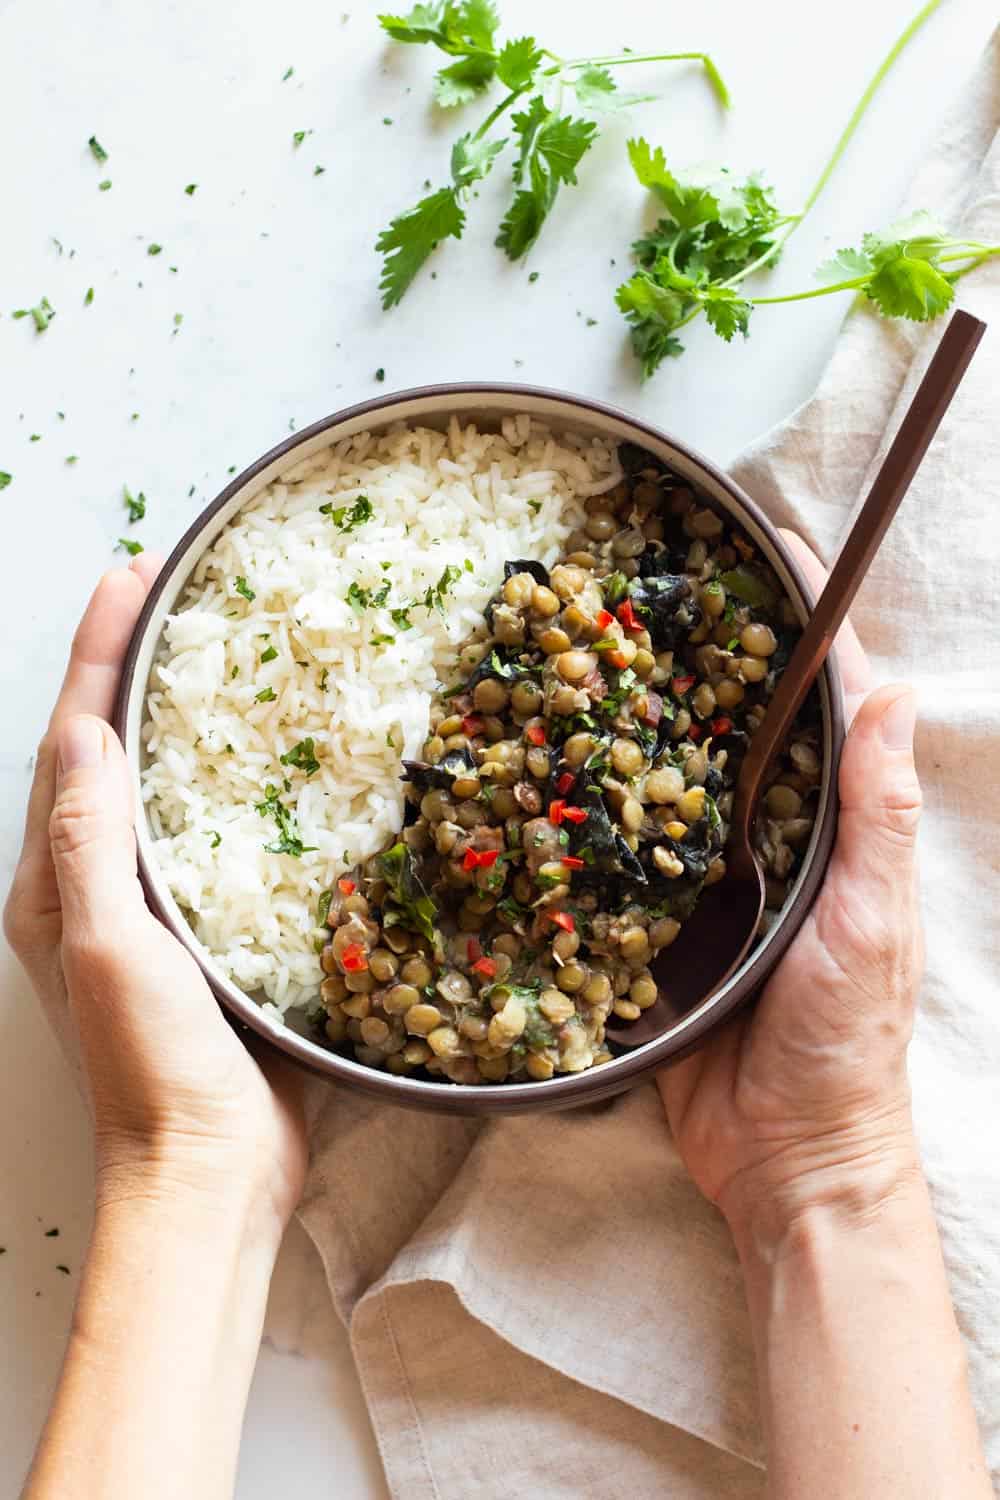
{"x": 96, "y": 149}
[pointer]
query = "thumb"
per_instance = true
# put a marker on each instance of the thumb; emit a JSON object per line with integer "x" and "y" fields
{"x": 91, "y": 834}
{"x": 879, "y": 792}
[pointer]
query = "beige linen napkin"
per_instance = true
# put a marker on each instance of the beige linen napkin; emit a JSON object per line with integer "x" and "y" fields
{"x": 473, "y": 1262}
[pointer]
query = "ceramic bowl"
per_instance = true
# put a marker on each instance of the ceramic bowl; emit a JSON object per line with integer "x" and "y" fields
{"x": 485, "y": 405}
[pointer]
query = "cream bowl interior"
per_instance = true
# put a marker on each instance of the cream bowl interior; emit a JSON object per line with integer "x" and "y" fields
{"x": 484, "y": 405}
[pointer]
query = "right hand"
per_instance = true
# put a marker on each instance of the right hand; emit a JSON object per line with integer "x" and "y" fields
{"x": 804, "y": 1098}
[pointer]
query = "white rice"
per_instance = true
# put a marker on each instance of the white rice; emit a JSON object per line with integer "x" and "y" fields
{"x": 460, "y": 497}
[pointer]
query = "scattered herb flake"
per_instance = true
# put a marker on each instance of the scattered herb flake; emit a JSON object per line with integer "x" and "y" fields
{"x": 287, "y": 74}
{"x": 132, "y": 548}
{"x": 89, "y": 297}
{"x": 96, "y": 149}
{"x": 288, "y": 841}
{"x": 303, "y": 757}
{"x": 191, "y": 189}
{"x": 105, "y": 186}
{"x": 216, "y": 838}
{"x": 349, "y": 519}
{"x": 242, "y": 587}
{"x": 269, "y": 654}
{"x": 154, "y": 249}
{"x": 380, "y": 374}
{"x": 318, "y": 171}
{"x": 266, "y": 695}
{"x": 136, "y": 504}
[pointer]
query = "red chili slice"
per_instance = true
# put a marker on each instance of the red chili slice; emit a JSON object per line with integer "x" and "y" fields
{"x": 563, "y": 919}
{"x": 605, "y": 618}
{"x": 575, "y": 814}
{"x": 628, "y": 617}
{"x": 485, "y": 966}
{"x": 346, "y": 887}
{"x": 571, "y": 862}
{"x": 353, "y": 959}
{"x": 682, "y": 684}
{"x": 722, "y": 725}
{"x": 480, "y": 859}
{"x": 564, "y": 783}
{"x": 535, "y": 733}
{"x": 472, "y": 725}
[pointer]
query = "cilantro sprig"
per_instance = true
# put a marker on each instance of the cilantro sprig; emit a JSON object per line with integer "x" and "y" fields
{"x": 349, "y": 519}
{"x": 717, "y": 231}
{"x": 550, "y": 142}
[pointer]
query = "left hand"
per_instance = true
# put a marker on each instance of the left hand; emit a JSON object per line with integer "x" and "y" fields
{"x": 177, "y": 1099}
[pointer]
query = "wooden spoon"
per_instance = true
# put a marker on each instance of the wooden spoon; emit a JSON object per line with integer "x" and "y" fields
{"x": 717, "y": 936}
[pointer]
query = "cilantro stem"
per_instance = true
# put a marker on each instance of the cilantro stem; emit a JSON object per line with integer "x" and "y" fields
{"x": 816, "y": 291}
{"x": 794, "y": 220}
{"x": 866, "y": 98}
{"x": 714, "y": 76}
{"x": 495, "y": 114}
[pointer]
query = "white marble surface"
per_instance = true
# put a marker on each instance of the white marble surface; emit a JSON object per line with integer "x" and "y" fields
{"x": 275, "y": 280}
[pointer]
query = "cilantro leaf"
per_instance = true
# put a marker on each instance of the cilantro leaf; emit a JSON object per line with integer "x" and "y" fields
{"x": 907, "y": 286}
{"x": 689, "y": 201}
{"x": 472, "y": 159}
{"x": 727, "y": 312}
{"x": 597, "y": 91}
{"x": 518, "y": 62}
{"x": 551, "y": 147}
{"x": 5, "y": 479}
{"x": 457, "y": 28}
{"x": 652, "y": 311}
{"x": 412, "y": 236}
{"x": 132, "y": 548}
{"x": 242, "y": 587}
{"x": 97, "y": 151}
{"x": 463, "y": 80}
{"x": 266, "y": 695}
{"x": 844, "y": 266}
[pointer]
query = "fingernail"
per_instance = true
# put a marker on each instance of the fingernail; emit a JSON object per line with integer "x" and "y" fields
{"x": 898, "y": 722}
{"x": 81, "y": 744}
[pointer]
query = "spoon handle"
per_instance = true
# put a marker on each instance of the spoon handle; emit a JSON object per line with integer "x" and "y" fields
{"x": 916, "y": 432}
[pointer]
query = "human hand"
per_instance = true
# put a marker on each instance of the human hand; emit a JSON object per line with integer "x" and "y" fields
{"x": 177, "y": 1100}
{"x": 804, "y": 1099}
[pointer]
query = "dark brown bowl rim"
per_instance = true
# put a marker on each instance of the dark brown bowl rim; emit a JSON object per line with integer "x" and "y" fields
{"x": 578, "y": 1088}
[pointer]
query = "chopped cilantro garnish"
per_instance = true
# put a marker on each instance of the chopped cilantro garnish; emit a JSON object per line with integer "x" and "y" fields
{"x": 72, "y": 458}
{"x": 132, "y": 548}
{"x": 389, "y": 740}
{"x": 380, "y": 374}
{"x": 318, "y": 171}
{"x": 191, "y": 189}
{"x": 383, "y": 640}
{"x": 434, "y": 597}
{"x": 302, "y": 756}
{"x": 299, "y": 136}
{"x": 88, "y": 299}
{"x": 401, "y": 618}
{"x": 535, "y": 505}
{"x": 5, "y": 479}
{"x": 288, "y": 841}
{"x": 269, "y": 654}
{"x": 324, "y": 678}
{"x": 349, "y": 519}
{"x": 323, "y": 907}
{"x": 362, "y": 598}
{"x": 97, "y": 150}
{"x": 136, "y": 504}
{"x": 266, "y": 695}
{"x": 154, "y": 249}
{"x": 533, "y": 277}
{"x": 41, "y": 314}
{"x": 36, "y": 437}
{"x": 287, "y": 74}
{"x": 234, "y": 674}
{"x": 242, "y": 587}
{"x": 105, "y": 186}
{"x": 216, "y": 838}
